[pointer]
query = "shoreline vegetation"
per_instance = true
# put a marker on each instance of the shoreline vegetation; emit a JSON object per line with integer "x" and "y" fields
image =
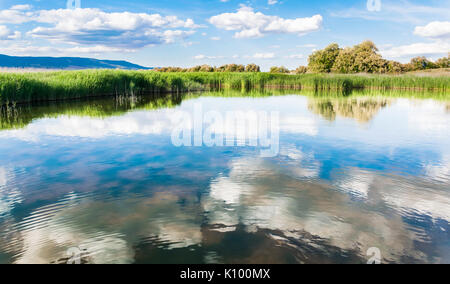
{"x": 53, "y": 86}
{"x": 333, "y": 70}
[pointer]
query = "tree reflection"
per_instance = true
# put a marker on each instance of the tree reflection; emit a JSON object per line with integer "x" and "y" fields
{"x": 361, "y": 109}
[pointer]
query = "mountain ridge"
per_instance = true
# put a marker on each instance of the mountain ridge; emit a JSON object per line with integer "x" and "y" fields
{"x": 66, "y": 63}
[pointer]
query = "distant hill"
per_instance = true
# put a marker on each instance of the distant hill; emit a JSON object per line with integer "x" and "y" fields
{"x": 68, "y": 63}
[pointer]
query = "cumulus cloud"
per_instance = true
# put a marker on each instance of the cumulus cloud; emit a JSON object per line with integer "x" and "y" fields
{"x": 16, "y": 15}
{"x": 268, "y": 55}
{"x": 396, "y": 11}
{"x": 438, "y": 30}
{"x": 25, "y": 49}
{"x": 87, "y": 26}
{"x": 416, "y": 49}
{"x": 250, "y": 24}
{"x": 21, "y": 7}
{"x": 295, "y": 56}
{"x": 95, "y": 27}
{"x": 202, "y": 56}
{"x": 6, "y": 34}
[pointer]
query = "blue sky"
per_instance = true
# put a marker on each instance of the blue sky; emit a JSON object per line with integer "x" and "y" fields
{"x": 192, "y": 32}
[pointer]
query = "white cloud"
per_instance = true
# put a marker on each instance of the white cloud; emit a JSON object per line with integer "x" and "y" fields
{"x": 123, "y": 30}
{"x": 250, "y": 24}
{"x": 396, "y": 11}
{"x": 416, "y": 49}
{"x": 6, "y": 34}
{"x": 295, "y": 56}
{"x": 268, "y": 55}
{"x": 438, "y": 30}
{"x": 130, "y": 30}
{"x": 15, "y": 16}
{"x": 21, "y": 7}
{"x": 94, "y": 49}
{"x": 24, "y": 49}
{"x": 307, "y": 45}
{"x": 202, "y": 56}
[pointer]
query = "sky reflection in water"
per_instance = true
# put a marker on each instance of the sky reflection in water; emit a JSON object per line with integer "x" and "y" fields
{"x": 351, "y": 174}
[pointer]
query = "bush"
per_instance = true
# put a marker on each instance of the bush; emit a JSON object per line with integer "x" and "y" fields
{"x": 301, "y": 70}
{"x": 362, "y": 58}
{"x": 279, "y": 70}
{"x": 443, "y": 62}
{"x": 322, "y": 61}
{"x": 252, "y": 68}
{"x": 421, "y": 63}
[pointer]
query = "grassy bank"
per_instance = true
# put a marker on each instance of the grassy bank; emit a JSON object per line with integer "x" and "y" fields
{"x": 33, "y": 87}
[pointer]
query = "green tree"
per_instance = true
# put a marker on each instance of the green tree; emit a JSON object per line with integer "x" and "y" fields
{"x": 301, "y": 70}
{"x": 443, "y": 62}
{"x": 395, "y": 67}
{"x": 279, "y": 70}
{"x": 206, "y": 68}
{"x": 345, "y": 62}
{"x": 232, "y": 68}
{"x": 252, "y": 68}
{"x": 322, "y": 61}
{"x": 362, "y": 58}
{"x": 194, "y": 69}
{"x": 421, "y": 63}
{"x": 367, "y": 58}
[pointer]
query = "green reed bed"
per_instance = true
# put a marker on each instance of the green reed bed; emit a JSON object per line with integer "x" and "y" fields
{"x": 31, "y": 87}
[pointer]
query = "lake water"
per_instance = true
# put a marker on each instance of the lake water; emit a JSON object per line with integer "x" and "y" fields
{"x": 101, "y": 181}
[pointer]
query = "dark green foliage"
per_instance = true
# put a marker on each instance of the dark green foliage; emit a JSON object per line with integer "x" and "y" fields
{"x": 421, "y": 63}
{"x": 279, "y": 70}
{"x": 365, "y": 58}
{"x": 443, "y": 62}
{"x": 322, "y": 61}
{"x": 301, "y": 70}
{"x": 252, "y": 68}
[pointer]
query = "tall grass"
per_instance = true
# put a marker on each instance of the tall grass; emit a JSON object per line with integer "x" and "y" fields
{"x": 48, "y": 86}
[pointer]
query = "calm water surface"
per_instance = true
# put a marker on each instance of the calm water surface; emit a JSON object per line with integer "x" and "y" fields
{"x": 103, "y": 179}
